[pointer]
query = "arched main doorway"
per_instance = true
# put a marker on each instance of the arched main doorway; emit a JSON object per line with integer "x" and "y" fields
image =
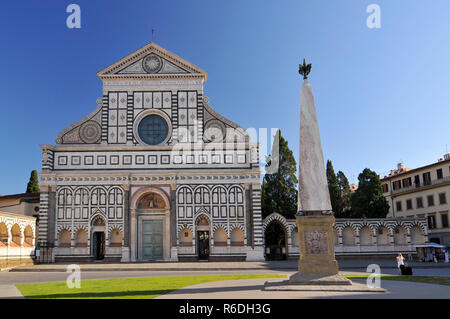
{"x": 275, "y": 241}
{"x": 150, "y": 225}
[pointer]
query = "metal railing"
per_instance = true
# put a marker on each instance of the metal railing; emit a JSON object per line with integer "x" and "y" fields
{"x": 45, "y": 253}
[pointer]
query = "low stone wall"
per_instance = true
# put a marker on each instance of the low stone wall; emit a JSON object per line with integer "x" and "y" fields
{"x": 382, "y": 237}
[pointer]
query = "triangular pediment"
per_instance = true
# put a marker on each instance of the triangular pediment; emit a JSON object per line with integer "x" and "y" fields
{"x": 152, "y": 61}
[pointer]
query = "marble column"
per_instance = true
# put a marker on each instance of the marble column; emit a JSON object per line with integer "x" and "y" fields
{"x": 313, "y": 192}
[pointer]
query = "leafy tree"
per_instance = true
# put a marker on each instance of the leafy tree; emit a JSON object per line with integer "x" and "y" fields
{"x": 279, "y": 192}
{"x": 33, "y": 183}
{"x": 368, "y": 200}
{"x": 333, "y": 188}
{"x": 345, "y": 195}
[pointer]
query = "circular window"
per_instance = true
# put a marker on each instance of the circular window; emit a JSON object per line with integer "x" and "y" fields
{"x": 153, "y": 129}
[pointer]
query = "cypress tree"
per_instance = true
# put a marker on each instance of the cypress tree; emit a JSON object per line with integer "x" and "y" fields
{"x": 345, "y": 195}
{"x": 279, "y": 191}
{"x": 33, "y": 183}
{"x": 333, "y": 188}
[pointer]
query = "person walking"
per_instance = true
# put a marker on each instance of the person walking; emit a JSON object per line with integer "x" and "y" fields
{"x": 400, "y": 262}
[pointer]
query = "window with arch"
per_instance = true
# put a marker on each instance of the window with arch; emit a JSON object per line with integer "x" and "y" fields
{"x": 64, "y": 238}
{"x": 219, "y": 201}
{"x": 81, "y": 202}
{"x": 81, "y": 238}
{"x": 184, "y": 202}
{"x": 237, "y": 237}
{"x": 64, "y": 202}
{"x": 115, "y": 203}
{"x": 202, "y": 198}
{"x": 220, "y": 237}
{"x": 98, "y": 197}
{"x": 236, "y": 202}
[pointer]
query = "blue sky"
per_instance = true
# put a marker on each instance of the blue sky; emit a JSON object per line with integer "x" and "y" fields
{"x": 382, "y": 95}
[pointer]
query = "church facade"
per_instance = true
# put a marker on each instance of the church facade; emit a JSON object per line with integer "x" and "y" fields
{"x": 153, "y": 173}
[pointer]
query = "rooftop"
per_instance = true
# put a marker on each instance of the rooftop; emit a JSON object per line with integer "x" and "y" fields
{"x": 401, "y": 170}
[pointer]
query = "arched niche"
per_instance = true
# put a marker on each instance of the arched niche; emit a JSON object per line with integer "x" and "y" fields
{"x": 115, "y": 238}
{"x": 16, "y": 235}
{"x": 185, "y": 237}
{"x": 348, "y": 236}
{"x": 28, "y": 236}
{"x": 365, "y": 236}
{"x": 417, "y": 235}
{"x": 220, "y": 237}
{"x": 3, "y": 234}
{"x": 237, "y": 237}
{"x": 400, "y": 236}
{"x": 64, "y": 238}
{"x": 81, "y": 238}
{"x": 383, "y": 236}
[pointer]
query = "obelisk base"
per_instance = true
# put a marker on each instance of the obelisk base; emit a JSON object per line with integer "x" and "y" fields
{"x": 316, "y": 264}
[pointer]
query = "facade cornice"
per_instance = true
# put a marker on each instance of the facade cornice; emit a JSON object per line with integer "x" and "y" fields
{"x": 150, "y": 77}
{"x": 238, "y": 172}
{"x": 179, "y": 147}
{"x": 52, "y": 179}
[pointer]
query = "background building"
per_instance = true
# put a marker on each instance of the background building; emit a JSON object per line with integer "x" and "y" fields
{"x": 422, "y": 192}
{"x": 26, "y": 204}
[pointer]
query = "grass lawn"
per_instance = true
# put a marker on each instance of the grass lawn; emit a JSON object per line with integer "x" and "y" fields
{"x": 437, "y": 280}
{"x": 124, "y": 288}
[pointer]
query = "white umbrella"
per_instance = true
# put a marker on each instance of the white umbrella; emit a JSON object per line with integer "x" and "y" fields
{"x": 431, "y": 245}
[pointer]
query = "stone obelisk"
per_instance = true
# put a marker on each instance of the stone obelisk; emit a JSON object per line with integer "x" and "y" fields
{"x": 317, "y": 264}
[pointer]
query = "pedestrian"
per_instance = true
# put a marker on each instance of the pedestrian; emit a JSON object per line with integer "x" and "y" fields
{"x": 446, "y": 256}
{"x": 400, "y": 262}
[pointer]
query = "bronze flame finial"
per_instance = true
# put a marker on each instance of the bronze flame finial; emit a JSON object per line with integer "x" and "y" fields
{"x": 304, "y": 69}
